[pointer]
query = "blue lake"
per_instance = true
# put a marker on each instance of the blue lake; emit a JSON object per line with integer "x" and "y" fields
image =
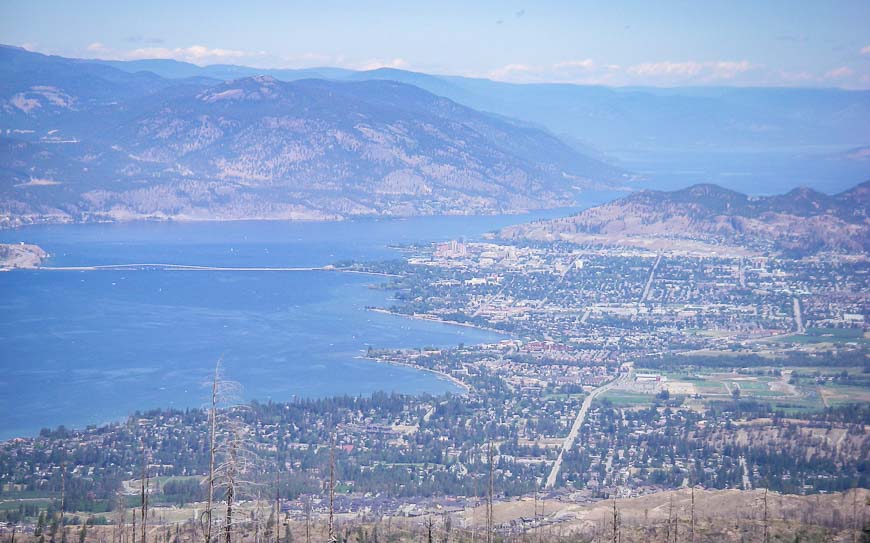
{"x": 88, "y": 347}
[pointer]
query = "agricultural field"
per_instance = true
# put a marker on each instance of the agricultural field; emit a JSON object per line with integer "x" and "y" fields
{"x": 791, "y": 388}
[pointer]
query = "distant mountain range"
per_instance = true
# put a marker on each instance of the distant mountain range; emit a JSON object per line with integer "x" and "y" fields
{"x": 87, "y": 141}
{"x": 756, "y": 140}
{"x": 802, "y": 221}
{"x": 614, "y": 117}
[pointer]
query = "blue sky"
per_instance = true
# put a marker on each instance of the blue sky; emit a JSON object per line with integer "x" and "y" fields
{"x": 794, "y": 43}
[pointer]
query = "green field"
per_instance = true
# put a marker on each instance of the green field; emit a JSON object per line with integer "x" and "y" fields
{"x": 623, "y": 398}
{"x": 710, "y": 384}
{"x": 845, "y": 394}
{"x": 826, "y": 335}
{"x": 13, "y": 504}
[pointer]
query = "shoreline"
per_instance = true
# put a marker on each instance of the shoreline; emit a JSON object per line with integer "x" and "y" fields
{"x": 465, "y": 389}
{"x": 427, "y": 318}
{"x": 40, "y": 220}
{"x": 461, "y": 384}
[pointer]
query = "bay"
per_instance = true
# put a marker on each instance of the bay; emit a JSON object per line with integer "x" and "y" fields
{"x": 89, "y": 347}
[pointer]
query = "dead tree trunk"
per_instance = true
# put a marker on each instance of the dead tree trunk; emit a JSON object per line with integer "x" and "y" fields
{"x": 278, "y": 506}
{"x": 331, "y": 528}
{"x": 615, "y": 523}
{"x": 63, "y": 502}
{"x": 307, "y": 519}
{"x": 212, "y": 439}
{"x": 670, "y": 519}
{"x": 692, "y": 524}
{"x": 490, "y": 520}
{"x": 144, "y": 496}
{"x": 120, "y": 516}
{"x": 231, "y": 492}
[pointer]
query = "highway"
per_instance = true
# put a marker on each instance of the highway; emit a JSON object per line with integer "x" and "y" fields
{"x": 649, "y": 281}
{"x": 798, "y": 319}
{"x": 578, "y": 422}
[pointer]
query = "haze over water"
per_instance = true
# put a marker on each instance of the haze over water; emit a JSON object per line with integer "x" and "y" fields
{"x": 88, "y": 347}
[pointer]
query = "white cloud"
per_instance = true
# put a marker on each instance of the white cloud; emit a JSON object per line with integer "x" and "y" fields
{"x": 729, "y": 69}
{"x": 204, "y": 55}
{"x": 513, "y": 72}
{"x": 657, "y": 69}
{"x": 580, "y": 70}
{"x": 197, "y": 54}
{"x": 692, "y": 70}
{"x": 566, "y": 71}
{"x": 589, "y": 71}
{"x": 839, "y": 73}
{"x": 374, "y": 64}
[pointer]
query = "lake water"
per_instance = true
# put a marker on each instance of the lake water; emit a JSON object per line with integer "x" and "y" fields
{"x": 757, "y": 172}
{"x": 88, "y": 347}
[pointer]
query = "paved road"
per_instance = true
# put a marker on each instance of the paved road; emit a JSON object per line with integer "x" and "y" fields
{"x": 575, "y": 428}
{"x": 747, "y": 484}
{"x": 824, "y": 398}
{"x": 798, "y": 318}
{"x": 488, "y": 301}
{"x": 649, "y": 281}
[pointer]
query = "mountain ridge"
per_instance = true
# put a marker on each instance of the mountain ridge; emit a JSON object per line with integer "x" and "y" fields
{"x": 261, "y": 148}
{"x": 628, "y": 116}
{"x": 745, "y": 138}
{"x": 802, "y": 221}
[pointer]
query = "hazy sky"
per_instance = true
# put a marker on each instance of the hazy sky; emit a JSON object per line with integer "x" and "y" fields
{"x": 822, "y": 43}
